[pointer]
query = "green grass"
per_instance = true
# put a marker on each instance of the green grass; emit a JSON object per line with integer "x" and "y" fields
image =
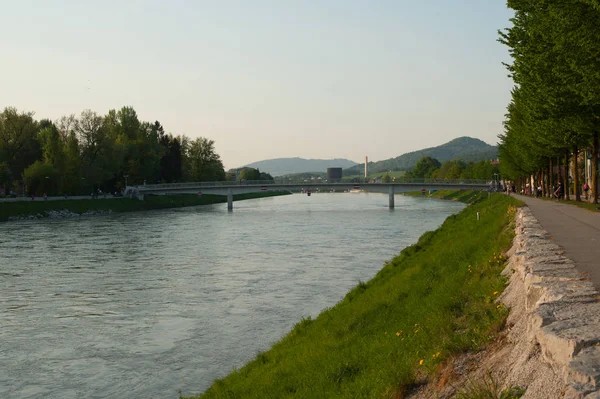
{"x": 40, "y": 207}
{"x": 433, "y": 301}
{"x": 489, "y": 388}
{"x": 466, "y": 196}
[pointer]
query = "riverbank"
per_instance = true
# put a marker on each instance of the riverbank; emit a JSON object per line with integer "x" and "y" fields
{"x": 70, "y": 208}
{"x": 391, "y": 334}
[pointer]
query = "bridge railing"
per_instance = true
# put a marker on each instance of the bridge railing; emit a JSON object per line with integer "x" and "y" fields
{"x": 306, "y": 182}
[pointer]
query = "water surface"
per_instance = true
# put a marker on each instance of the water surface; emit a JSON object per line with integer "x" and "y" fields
{"x": 144, "y": 305}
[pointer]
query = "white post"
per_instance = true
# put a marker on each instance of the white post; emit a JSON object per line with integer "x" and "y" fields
{"x": 229, "y": 199}
{"x": 391, "y": 197}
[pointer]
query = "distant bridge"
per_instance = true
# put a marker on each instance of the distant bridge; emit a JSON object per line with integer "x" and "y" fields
{"x": 231, "y": 188}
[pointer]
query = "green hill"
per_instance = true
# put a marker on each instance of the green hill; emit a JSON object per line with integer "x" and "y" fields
{"x": 466, "y": 148}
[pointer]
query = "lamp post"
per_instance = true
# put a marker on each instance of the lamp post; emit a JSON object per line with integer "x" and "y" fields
{"x": 496, "y": 180}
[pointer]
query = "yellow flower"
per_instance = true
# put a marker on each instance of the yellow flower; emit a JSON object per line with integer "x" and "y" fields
{"x": 495, "y": 292}
{"x": 421, "y": 362}
{"x": 397, "y": 334}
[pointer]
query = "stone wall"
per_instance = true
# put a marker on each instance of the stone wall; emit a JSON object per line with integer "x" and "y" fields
{"x": 562, "y": 310}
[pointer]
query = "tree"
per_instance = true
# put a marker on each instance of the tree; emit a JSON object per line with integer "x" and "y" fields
{"x": 19, "y": 146}
{"x": 250, "y": 174}
{"x": 205, "y": 163}
{"x": 41, "y": 178}
{"x": 424, "y": 168}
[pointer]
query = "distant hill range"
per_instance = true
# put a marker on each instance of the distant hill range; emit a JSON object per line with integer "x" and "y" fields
{"x": 286, "y": 166}
{"x": 465, "y": 148}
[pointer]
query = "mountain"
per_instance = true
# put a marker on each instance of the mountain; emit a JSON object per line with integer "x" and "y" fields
{"x": 466, "y": 148}
{"x": 284, "y": 166}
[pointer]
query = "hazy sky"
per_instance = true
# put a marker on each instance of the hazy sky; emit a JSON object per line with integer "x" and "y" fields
{"x": 267, "y": 78}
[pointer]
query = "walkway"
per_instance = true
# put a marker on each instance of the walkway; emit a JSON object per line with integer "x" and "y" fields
{"x": 575, "y": 229}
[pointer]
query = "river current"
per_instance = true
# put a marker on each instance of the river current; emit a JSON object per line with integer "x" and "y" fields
{"x": 150, "y": 304}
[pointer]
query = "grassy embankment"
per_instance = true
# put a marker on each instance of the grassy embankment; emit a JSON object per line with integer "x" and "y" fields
{"x": 466, "y": 196}
{"x": 433, "y": 301}
{"x": 40, "y": 207}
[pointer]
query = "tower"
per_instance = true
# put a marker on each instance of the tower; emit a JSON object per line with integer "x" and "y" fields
{"x": 366, "y": 167}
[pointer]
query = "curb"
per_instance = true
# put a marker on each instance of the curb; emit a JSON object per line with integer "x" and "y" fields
{"x": 563, "y": 307}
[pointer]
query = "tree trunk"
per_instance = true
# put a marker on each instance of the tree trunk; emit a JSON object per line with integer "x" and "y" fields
{"x": 595, "y": 168}
{"x": 576, "y": 174}
{"x": 544, "y": 182}
{"x": 550, "y": 177}
{"x": 567, "y": 184}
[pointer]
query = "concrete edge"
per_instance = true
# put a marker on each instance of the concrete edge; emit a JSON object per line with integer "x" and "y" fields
{"x": 563, "y": 308}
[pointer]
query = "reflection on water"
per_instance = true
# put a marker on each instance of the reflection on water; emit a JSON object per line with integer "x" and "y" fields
{"x": 143, "y": 305}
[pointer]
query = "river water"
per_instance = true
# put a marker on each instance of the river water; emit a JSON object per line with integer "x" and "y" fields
{"x": 144, "y": 305}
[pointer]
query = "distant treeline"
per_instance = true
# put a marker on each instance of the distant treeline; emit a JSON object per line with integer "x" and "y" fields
{"x": 431, "y": 168}
{"x": 554, "y": 114}
{"x": 90, "y": 152}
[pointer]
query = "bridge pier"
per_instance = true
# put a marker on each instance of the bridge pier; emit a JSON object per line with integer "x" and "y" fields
{"x": 392, "y": 197}
{"x": 229, "y": 199}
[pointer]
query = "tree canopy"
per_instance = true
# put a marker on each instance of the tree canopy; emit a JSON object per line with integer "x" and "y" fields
{"x": 555, "y": 107}
{"x": 89, "y": 152}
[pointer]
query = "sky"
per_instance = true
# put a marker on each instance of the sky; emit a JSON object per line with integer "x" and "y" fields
{"x": 267, "y": 78}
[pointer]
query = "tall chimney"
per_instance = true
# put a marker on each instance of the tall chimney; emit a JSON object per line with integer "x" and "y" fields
{"x": 366, "y": 167}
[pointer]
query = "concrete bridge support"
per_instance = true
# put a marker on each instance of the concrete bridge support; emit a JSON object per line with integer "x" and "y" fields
{"x": 392, "y": 197}
{"x": 229, "y": 199}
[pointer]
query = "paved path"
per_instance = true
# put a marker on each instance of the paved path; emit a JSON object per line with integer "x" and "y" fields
{"x": 575, "y": 229}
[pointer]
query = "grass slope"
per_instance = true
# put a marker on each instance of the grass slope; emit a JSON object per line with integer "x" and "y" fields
{"x": 434, "y": 300}
{"x": 38, "y": 207}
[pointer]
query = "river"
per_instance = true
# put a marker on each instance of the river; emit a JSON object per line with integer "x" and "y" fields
{"x": 144, "y": 305}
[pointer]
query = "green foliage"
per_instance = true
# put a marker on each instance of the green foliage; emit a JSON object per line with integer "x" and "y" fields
{"x": 249, "y": 174}
{"x": 19, "y": 145}
{"x": 466, "y": 149}
{"x": 556, "y": 100}
{"x": 489, "y": 388}
{"x": 94, "y": 151}
{"x": 434, "y": 300}
{"x": 424, "y": 168}
{"x": 205, "y": 163}
{"x": 41, "y": 178}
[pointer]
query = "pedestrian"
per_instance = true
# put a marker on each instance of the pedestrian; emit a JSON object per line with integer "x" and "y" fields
{"x": 45, "y": 197}
{"x": 586, "y": 188}
{"x": 559, "y": 192}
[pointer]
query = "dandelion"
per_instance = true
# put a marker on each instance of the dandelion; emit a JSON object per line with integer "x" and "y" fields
{"x": 495, "y": 292}
{"x": 397, "y": 334}
{"x": 421, "y": 362}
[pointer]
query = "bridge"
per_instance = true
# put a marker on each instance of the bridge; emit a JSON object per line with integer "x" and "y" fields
{"x": 229, "y": 188}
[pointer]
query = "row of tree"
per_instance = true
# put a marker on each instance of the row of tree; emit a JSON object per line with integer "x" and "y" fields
{"x": 79, "y": 155}
{"x": 554, "y": 112}
{"x": 431, "y": 168}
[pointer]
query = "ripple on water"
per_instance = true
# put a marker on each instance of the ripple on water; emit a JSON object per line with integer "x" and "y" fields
{"x": 146, "y": 304}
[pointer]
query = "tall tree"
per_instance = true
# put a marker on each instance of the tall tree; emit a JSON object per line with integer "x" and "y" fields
{"x": 205, "y": 163}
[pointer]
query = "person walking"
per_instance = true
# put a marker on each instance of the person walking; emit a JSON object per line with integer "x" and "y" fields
{"x": 559, "y": 192}
{"x": 586, "y": 188}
